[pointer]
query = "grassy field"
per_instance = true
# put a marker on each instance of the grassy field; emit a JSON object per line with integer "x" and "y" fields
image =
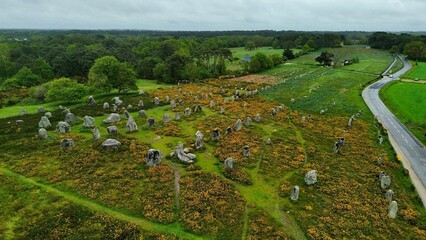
{"x": 408, "y": 102}
{"x": 417, "y": 71}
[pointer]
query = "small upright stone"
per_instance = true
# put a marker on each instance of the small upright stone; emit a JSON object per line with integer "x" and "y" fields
{"x": 70, "y": 118}
{"x": 393, "y": 209}
{"x": 44, "y": 122}
{"x": 111, "y": 144}
{"x": 199, "y": 140}
{"x": 151, "y": 122}
{"x": 229, "y": 163}
{"x": 187, "y": 112}
{"x": 166, "y": 118}
{"x": 246, "y": 151}
{"x": 67, "y": 143}
{"x": 63, "y": 127}
{"x": 41, "y": 110}
{"x": 129, "y": 107}
{"x": 106, "y": 105}
{"x": 91, "y": 101}
{"x": 294, "y": 193}
{"x": 48, "y": 114}
{"x": 257, "y": 118}
{"x": 131, "y": 125}
{"x": 153, "y": 157}
{"x": 117, "y": 101}
{"x": 142, "y": 113}
{"x": 273, "y": 112}
{"x": 172, "y": 104}
{"x": 126, "y": 114}
{"x": 389, "y": 195}
{"x": 112, "y": 130}
{"x": 385, "y": 181}
{"x": 177, "y": 116}
{"x": 216, "y": 135}
{"x": 269, "y": 141}
{"x": 65, "y": 111}
{"x": 311, "y": 177}
{"x": 228, "y": 130}
{"x": 89, "y": 122}
{"x": 140, "y": 104}
{"x": 238, "y": 125}
{"x": 113, "y": 117}
{"x": 141, "y": 92}
{"x": 96, "y": 134}
{"x": 248, "y": 122}
{"x": 42, "y": 133}
{"x": 156, "y": 101}
{"x": 212, "y": 104}
{"x": 22, "y": 112}
{"x": 222, "y": 110}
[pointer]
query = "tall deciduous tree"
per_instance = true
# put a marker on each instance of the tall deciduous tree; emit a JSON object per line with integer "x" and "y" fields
{"x": 325, "y": 58}
{"x": 415, "y": 50}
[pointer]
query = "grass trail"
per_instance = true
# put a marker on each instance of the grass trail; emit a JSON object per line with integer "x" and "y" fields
{"x": 173, "y": 229}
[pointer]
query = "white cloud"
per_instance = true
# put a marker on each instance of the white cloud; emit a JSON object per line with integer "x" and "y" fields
{"x": 386, "y": 15}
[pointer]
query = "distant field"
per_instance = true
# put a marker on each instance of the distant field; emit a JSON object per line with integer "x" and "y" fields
{"x": 418, "y": 71}
{"x": 148, "y": 85}
{"x": 241, "y": 52}
{"x": 408, "y": 102}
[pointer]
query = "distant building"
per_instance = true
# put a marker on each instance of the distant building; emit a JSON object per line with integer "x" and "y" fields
{"x": 246, "y": 58}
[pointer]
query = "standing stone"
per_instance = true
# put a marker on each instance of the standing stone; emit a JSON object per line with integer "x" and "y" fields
{"x": 19, "y": 122}
{"x": 117, "y": 101}
{"x": 142, "y": 113}
{"x": 66, "y": 111}
{"x": 111, "y": 144}
{"x": 182, "y": 155}
{"x": 48, "y": 114}
{"x": 351, "y": 119}
{"x": 22, "y": 112}
{"x": 106, "y": 105}
{"x": 166, "y": 118}
{"x": 311, "y": 177}
{"x": 379, "y": 160}
{"x": 113, "y": 117}
{"x": 89, "y": 122}
{"x": 294, "y": 193}
{"x": 129, "y": 107}
{"x": 126, "y": 114}
{"x": 292, "y": 100}
{"x": 44, "y": 122}
{"x": 114, "y": 108}
{"x": 216, "y": 135}
{"x": 238, "y": 125}
{"x": 268, "y": 141}
{"x": 187, "y": 112}
{"x": 393, "y": 209}
{"x": 156, "y": 101}
{"x": 385, "y": 181}
{"x": 140, "y": 104}
{"x": 63, "y": 127}
{"x": 246, "y": 151}
{"x": 91, "y": 101}
{"x": 389, "y": 195}
{"x": 229, "y": 163}
{"x": 212, "y": 104}
{"x": 42, "y": 133}
{"x": 153, "y": 157}
{"x": 248, "y": 122}
{"x": 380, "y": 140}
{"x": 96, "y": 134}
{"x": 199, "y": 140}
{"x": 70, "y": 118}
{"x": 280, "y": 108}
{"x": 67, "y": 143}
{"x": 141, "y": 92}
{"x": 167, "y": 98}
{"x": 112, "y": 130}
{"x": 131, "y": 125}
{"x": 151, "y": 122}
{"x": 222, "y": 110}
{"x": 41, "y": 110}
{"x": 61, "y": 107}
{"x": 257, "y": 118}
{"x": 228, "y": 130}
{"x": 177, "y": 116}
{"x": 273, "y": 112}
{"x": 172, "y": 104}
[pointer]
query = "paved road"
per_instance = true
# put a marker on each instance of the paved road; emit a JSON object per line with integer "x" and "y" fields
{"x": 404, "y": 143}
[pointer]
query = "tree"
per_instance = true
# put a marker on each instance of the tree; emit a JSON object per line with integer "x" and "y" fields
{"x": 42, "y": 69}
{"x": 325, "y": 58}
{"x": 108, "y": 73}
{"x": 250, "y": 46}
{"x": 65, "y": 89}
{"x": 24, "y": 78}
{"x": 277, "y": 59}
{"x": 415, "y": 50}
{"x": 288, "y": 53}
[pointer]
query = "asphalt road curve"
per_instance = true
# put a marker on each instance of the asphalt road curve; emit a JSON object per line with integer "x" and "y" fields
{"x": 404, "y": 143}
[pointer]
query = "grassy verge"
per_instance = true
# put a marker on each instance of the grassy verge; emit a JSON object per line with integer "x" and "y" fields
{"x": 417, "y": 71}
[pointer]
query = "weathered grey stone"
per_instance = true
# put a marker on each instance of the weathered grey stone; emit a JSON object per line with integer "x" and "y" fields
{"x": 187, "y": 112}
{"x": 280, "y": 108}
{"x": 63, "y": 127}
{"x": 393, "y": 209}
{"x": 199, "y": 143}
{"x": 106, "y": 105}
{"x": 246, "y": 151}
{"x": 41, "y": 110}
{"x": 257, "y": 118}
{"x": 222, "y": 110}
{"x": 67, "y": 143}
{"x": 292, "y": 100}
{"x": 381, "y": 174}
{"x": 380, "y": 140}
{"x": 238, "y": 125}
{"x": 389, "y": 195}
{"x": 129, "y": 107}
{"x": 140, "y": 103}
{"x": 142, "y": 113}
{"x": 131, "y": 125}
{"x": 42, "y": 133}
{"x": 96, "y": 134}
{"x": 70, "y": 118}
{"x": 153, "y": 157}
{"x": 248, "y": 122}
{"x": 311, "y": 177}
{"x": 351, "y": 119}
{"x": 48, "y": 114}
{"x": 379, "y": 160}
{"x": 89, "y": 122}
{"x": 112, "y": 118}
{"x": 91, "y": 101}
{"x": 112, "y": 130}
{"x": 216, "y": 135}
{"x": 151, "y": 122}
{"x": 385, "y": 181}
{"x": 111, "y": 143}
{"x": 172, "y": 104}
{"x": 65, "y": 111}
{"x": 212, "y": 104}
{"x": 273, "y": 112}
{"x": 156, "y": 101}
{"x": 183, "y": 156}
{"x": 61, "y": 107}
{"x": 228, "y": 130}
{"x": 126, "y": 114}
{"x": 229, "y": 163}
{"x": 141, "y": 92}
{"x": 177, "y": 116}
{"x": 166, "y": 118}
{"x": 114, "y": 108}
{"x": 167, "y": 98}
{"x": 44, "y": 122}
{"x": 117, "y": 101}
{"x": 22, "y": 112}
{"x": 294, "y": 193}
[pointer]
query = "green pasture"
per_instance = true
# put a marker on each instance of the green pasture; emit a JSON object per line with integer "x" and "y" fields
{"x": 417, "y": 71}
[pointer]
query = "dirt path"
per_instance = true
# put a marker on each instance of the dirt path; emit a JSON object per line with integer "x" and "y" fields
{"x": 173, "y": 229}
{"x": 177, "y": 186}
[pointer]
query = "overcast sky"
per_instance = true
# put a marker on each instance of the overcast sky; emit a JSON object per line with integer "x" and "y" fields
{"x": 309, "y": 15}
